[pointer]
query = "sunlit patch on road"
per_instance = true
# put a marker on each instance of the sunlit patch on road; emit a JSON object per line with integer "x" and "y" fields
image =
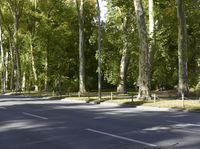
{"x": 3, "y": 108}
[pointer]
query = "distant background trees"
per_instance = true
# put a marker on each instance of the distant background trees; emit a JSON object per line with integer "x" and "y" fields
{"x": 40, "y": 45}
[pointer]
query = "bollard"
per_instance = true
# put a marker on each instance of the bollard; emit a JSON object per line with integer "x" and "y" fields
{"x": 132, "y": 98}
{"x": 88, "y": 95}
{"x": 183, "y": 104}
{"x": 154, "y": 98}
{"x": 53, "y": 93}
{"x": 111, "y": 95}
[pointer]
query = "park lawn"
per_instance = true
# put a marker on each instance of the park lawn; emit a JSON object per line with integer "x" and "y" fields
{"x": 190, "y": 105}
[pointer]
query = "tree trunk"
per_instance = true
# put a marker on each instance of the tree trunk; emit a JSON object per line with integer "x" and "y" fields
{"x": 182, "y": 50}
{"x": 144, "y": 70}
{"x": 151, "y": 27}
{"x": 33, "y": 65}
{"x": 82, "y": 89}
{"x": 12, "y": 66}
{"x": 6, "y": 69}
{"x": 18, "y": 60}
{"x": 15, "y": 9}
{"x": 10, "y": 56}
{"x": 46, "y": 72}
{"x": 151, "y": 36}
{"x": 124, "y": 60}
{"x": 35, "y": 3}
{"x": 99, "y": 50}
{"x": 24, "y": 82}
{"x": 3, "y": 79}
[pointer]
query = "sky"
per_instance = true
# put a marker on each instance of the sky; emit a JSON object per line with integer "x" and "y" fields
{"x": 103, "y": 8}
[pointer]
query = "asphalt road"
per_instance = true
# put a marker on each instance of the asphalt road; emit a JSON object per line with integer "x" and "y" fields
{"x": 36, "y": 123}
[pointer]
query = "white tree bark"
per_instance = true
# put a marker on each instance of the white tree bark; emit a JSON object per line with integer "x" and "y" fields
{"x": 151, "y": 35}
{"x": 151, "y": 19}
{"x": 46, "y": 70}
{"x": 12, "y": 71}
{"x": 33, "y": 65}
{"x": 99, "y": 50}
{"x": 15, "y": 11}
{"x": 6, "y": 69}
{"x": 12, "y": 55}
{"x": 32, "y": 33}
{"x": 3, "y": 78}
{"x": 24, "y": 82}
{"x": 144, "y": 67}
{"x": 182, "y": 50}
{"x": 79, "y": 5}
{"x": 124, "y": 60}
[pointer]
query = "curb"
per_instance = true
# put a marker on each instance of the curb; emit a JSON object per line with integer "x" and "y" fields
{"x": 149, "y": 108}
{"x": 142, "y": 108}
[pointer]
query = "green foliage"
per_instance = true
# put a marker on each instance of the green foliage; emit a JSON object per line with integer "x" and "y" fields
{"x": 52, "y": 27}
{"x": 113, "y": 41}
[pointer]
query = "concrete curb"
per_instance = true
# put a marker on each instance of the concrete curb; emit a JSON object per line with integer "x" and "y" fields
{"x": 73, "y": 100}
{"x": 149, "y": 108}
{"x": 142, "y": 108}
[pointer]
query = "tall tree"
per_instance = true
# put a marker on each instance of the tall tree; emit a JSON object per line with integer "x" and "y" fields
{"x": 151, "y": 25}
{"x": 32, "y": 59}
{"x": 32, "y": 35}
{"x": 3, "y": 79}
{"x": 10, "y": 37}
{"x": 12, "y": 73}
{"x": 182, "y": 50}
{"x": 144, "y": 67}
{"x": 16, "y": 10}
{"x": 151, "y": 34}
{"x": 99, "y": 50}
{"x": 79, "y": 5}
{"x": 125, "y": 58}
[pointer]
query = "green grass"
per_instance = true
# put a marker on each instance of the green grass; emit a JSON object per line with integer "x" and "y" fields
{"x": 190, "y": 105}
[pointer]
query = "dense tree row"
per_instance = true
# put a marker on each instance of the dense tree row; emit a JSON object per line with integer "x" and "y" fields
{"x": 52, "y": 45}
{"x": 172, "y": 46}
{"x": 45, "y": 37}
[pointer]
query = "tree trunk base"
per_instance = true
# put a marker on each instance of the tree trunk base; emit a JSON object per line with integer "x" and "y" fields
{"x": 82, "y": 93}
{"x": 144, "y": 95}
{"x": 184, "y": 92}
{"x": 121, "y": 89}
{"x": 36, "y": 88}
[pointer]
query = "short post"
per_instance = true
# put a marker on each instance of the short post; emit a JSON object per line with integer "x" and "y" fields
{"x": 132, "y": 98}
{"x": 183, "y": 104}
{"x": 154, "y": 98}
{"x": 88, "y": 94}
{"x": 53, "y": 93}
{"x": 111, "y": 95}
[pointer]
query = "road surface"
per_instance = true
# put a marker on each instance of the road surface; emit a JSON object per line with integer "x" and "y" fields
{"x": 38, "y": 123}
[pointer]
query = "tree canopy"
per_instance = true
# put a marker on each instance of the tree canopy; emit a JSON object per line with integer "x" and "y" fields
{"x": 40, "y": 45}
